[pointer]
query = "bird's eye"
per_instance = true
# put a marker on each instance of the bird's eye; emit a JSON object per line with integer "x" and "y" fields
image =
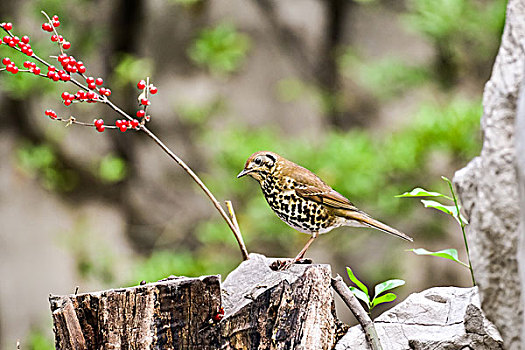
{"x": 258, "y": 161}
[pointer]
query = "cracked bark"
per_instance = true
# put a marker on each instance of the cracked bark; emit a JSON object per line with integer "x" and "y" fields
{"x": 264, "y": 309}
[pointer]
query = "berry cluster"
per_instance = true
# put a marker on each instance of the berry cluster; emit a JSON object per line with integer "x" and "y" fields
{"x": 71, "y": 65}
{"x": 92, "y": 91}
{"x": 31, "y": 66}
{"x": 51, "y": 114}
{"x": 55, "y": 75}
{"x": 99, "y": 125}
{"x": 124, "y": 125}
{"x": 9, "y": 65}
{"x": 50, "y": 27}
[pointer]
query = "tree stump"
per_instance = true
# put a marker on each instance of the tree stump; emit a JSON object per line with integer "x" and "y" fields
{"x": 263, "y": 309}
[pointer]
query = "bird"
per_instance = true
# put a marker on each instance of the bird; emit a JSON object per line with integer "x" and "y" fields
{"x": 304, "y": 201}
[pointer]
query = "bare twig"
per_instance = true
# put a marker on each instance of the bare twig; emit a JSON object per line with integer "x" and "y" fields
{"x": 244, "y": 251}
{"x": 360, "y": 314}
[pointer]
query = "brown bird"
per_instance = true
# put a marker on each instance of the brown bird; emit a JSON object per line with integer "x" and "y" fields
{"x": 304, "y": 201}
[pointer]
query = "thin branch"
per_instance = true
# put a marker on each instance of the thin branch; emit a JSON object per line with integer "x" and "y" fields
{"x": 360, "y": 314}
{"x": 201, "y": 184}
{"x": 244, "y": 251}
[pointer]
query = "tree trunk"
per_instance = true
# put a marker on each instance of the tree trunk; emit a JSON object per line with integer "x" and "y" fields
{"x": 263, "y": 309}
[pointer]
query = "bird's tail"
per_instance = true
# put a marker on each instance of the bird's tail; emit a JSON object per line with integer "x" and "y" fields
{"x": 366, "y": 220}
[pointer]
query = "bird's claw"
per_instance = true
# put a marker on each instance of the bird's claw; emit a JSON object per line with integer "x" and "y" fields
{"x": 285, "y": 264}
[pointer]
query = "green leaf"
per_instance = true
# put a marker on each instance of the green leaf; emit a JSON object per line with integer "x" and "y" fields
{"x": 387, "y": 285}
{"x": 361, "y": 295}
{"x": 357, "y": 282}
{"x": 448, "y": 209}
{"x": 451, "y": 254}
{"x": 420, "y": 192}
{"x": 383, "y": 299}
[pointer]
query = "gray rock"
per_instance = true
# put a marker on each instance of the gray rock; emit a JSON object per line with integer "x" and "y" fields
{"x": 488, "y": 187}
{"x": 438, "y": 318}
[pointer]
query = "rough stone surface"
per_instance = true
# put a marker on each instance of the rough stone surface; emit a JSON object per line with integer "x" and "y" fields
{"x": 437, "y": 318}
{"x": 488, "y": 187}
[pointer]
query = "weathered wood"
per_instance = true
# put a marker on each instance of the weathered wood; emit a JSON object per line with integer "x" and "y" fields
{"x": 170, "y": 314}
{"x": 264, "y": 309}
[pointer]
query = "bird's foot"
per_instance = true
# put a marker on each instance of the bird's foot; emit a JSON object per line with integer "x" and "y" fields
{"x": 285, "y": 264}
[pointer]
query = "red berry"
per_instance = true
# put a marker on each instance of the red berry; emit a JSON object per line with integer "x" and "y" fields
{"x": 51, "y": 68}
{"x": 107, "y": 92}
{"x": 153, "y": 89}
{"x": 100, "y": 128}
{"x": 99, "y": 81}
{"x": 147, "y": 118}
{"x": 98, "y": 122}
{"x": 123, "y": 127}
{"x": 56, "y": 23}
{"x": 71, "y": 69}
{"x": 66, "y": 45}
{"x": 141, "y": 84}
{"x": 54, "y": 18}
{"x": 90, "y": 80}
{"x": 134, "y": 123}
{"x": 14, "y": 70}
{"x": 91, "y": 86}
{"x": 81, "y": 69}
{"x": 67, "y": 102}
{"x": 65, "y": 77}
{"x": 90, "y": 95}
{"x": 6, "y": 39}
{"x": 8, "y": 26}
{"x": 145, "y": 102}
{"x": 36, "y": 70}
{"x": 27, "y": 64}
{"x": 141, "y": 113}
{"x": 66, "y": 95}
{"x": 6, "y": 61}
{"x": 62, "y": 57}
{"x": 29, "y": 52}
{"x": 25, "y": 39}
{"x": 47, "y": 27}
{"x": 54, "y": 38}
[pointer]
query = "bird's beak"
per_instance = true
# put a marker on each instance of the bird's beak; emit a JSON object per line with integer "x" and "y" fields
{"x": 244, "y": 172}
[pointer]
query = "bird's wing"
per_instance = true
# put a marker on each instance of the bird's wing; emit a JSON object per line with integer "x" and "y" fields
{"x": 326, "y": 196}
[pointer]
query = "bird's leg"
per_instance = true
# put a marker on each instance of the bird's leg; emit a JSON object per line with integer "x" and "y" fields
{"x": 285, "y": 265}
{"x": 307, "y": 245}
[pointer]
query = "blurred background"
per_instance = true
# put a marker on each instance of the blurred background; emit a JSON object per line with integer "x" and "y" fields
{"x": 376, "y": 97}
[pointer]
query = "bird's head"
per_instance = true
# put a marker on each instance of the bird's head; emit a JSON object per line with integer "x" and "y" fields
{"x": 260, "y": 164}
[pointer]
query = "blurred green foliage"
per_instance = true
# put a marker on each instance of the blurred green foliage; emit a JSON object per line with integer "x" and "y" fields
{"x": 40, "y": 161}
{"x": 221, "y": 49}
{"x": 37, "y": 340}
{"x": 466, "y": 33}
{"x": 163, "y": 263}
{"x": 94, "y": 258}
{"x": 130, "y": 69}
{"x": 112, "y": 168}
{"x": 386, "y": 78}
